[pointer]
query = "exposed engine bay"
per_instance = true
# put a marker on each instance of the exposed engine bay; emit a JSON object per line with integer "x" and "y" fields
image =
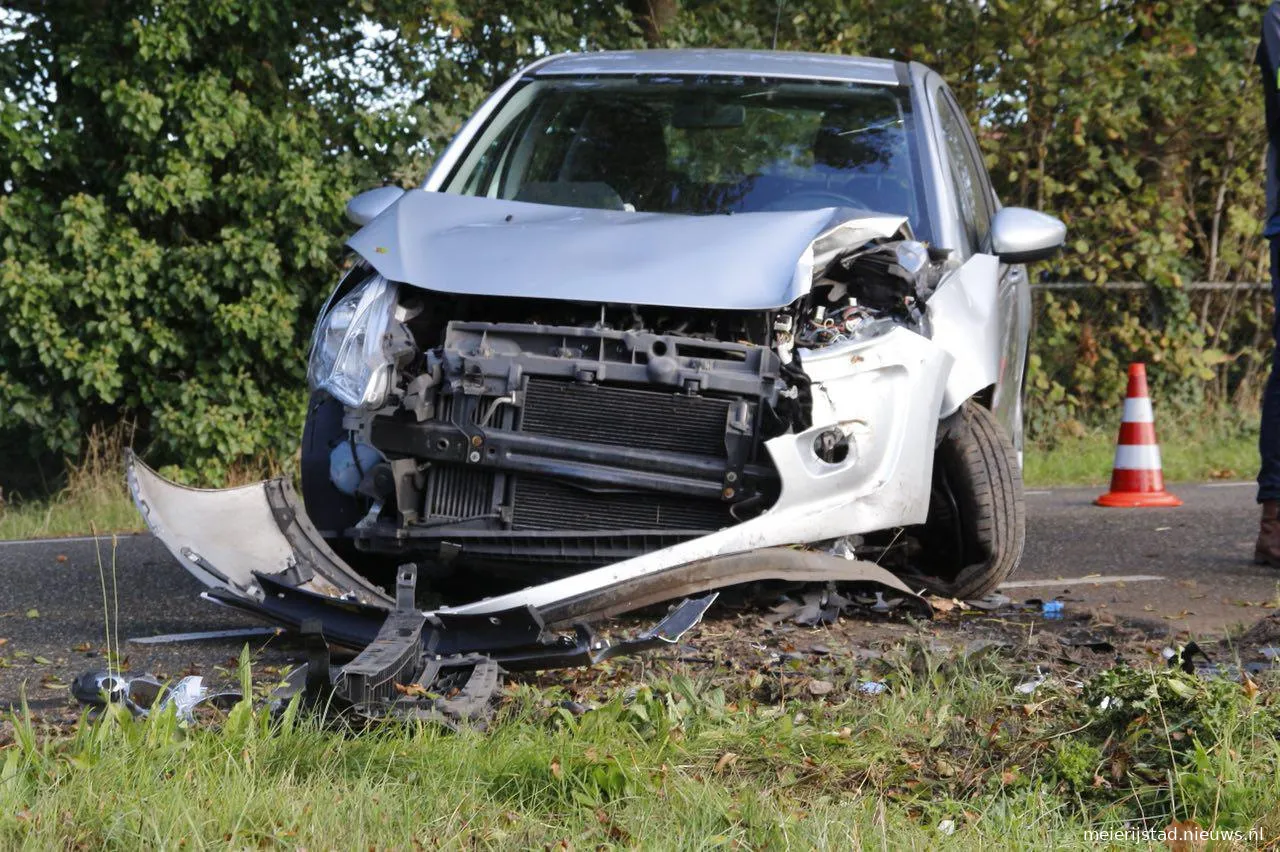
{"x": 538, "y": 437}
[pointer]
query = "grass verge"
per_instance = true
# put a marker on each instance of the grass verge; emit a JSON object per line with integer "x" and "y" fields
{"x": 1188, "y": 455}
{"x": 950, "y": 756}
{"x": 71, "y": 513}
{"x": 95, "y": 496}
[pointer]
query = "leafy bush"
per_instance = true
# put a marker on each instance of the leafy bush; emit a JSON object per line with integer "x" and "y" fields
{"x": 173, "y": 180}
{"x": 170, "y": 220}
{"x": 1212, "y": 360}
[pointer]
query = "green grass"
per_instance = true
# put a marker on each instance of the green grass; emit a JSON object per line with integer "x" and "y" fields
{"x": 94, "y": 498}
{"x": 677, "y": 762}
{"x": 1188, "y": 455}
{"x": 71, "y": 513}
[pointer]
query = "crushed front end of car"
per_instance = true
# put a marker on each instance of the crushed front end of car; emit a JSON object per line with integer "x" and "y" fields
{"x": 570, "y": 413}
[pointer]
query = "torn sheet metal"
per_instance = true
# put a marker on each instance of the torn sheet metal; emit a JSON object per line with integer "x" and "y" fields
{"x": 748, "y": 261}
{"x": 964, "y": 314}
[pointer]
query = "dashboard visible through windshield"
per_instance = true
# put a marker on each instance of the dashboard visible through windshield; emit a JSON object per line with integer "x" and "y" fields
{"x": 699, "y": 146}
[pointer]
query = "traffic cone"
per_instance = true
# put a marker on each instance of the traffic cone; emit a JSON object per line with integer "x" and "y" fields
{"x": 1137, "y": 478}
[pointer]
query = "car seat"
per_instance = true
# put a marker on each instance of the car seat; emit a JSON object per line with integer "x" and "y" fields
{"x": 621, "y": 145}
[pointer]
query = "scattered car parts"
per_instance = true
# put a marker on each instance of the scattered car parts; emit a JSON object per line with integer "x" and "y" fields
{"x": 141, "y": 694}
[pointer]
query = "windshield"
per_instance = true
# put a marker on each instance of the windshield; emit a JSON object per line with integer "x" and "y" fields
{"x": 699, "y": 145}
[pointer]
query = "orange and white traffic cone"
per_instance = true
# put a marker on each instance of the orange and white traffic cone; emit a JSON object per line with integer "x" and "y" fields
{"x": 1137, "y": 478}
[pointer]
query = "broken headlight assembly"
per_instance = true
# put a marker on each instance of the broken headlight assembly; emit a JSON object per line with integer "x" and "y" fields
{"x": 869, "y": 292}
{"x": 350, "y": 358}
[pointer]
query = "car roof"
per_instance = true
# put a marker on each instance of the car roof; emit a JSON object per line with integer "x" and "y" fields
{"x": 748, "y": 63}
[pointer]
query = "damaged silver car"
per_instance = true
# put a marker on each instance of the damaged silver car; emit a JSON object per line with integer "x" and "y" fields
{"x": 657, "y": 323}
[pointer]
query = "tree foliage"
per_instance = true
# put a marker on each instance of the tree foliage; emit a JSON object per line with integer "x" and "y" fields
{"x": 172, "y": 175}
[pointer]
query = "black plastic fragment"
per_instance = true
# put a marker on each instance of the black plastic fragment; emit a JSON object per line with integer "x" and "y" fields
{"x": 449, "y": 667}
{"x": 1184, "y": 657}
{"x": 346, "y": 622}
{"x": 397, "y": 676}
{"x": 394, "y": 656}
{"x": 317, "y": 684}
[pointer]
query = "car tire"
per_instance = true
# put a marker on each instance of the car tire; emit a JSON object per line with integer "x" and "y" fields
{"x": 329, "y": 509}
{"x": 977, "y": 526}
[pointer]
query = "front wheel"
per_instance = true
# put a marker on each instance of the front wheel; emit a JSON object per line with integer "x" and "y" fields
{"x": 977, "y": 525}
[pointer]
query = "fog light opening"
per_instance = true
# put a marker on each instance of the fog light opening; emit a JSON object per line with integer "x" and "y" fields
{"x": 831, "y": 446}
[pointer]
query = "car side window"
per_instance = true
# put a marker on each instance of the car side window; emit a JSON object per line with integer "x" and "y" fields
{"x": 966, "y": 170}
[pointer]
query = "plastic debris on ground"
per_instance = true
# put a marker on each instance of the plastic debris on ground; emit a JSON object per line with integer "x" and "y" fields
{"x": 1032, "y": 685}
{"x": 1184, "y": 657}
{"x": 1193, "y": 659}
{"x": 450, "y": 668}
{"x": 991, "y": 603}
{"x": 444, "y": 668}
{"x": 1085, "y": 639}
{"x": 143, "y": 693}
{"x": 819, "y": 607}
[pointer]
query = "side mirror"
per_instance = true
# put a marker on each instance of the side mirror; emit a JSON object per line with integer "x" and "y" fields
{"x": 366, "y": 206}
{"x": 1019, "y": 235}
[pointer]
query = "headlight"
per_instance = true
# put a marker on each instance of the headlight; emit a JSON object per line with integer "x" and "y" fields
{"x": 348, "y": 351}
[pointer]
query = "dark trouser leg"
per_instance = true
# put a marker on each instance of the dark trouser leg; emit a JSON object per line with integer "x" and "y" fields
{"x": 1269, "y": 440}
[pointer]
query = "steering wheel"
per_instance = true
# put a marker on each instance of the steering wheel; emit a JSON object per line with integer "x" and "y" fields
{"x": 812, "y": 199}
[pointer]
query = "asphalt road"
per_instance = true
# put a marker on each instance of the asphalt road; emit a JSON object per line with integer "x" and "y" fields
{"x": 52, "y": 626}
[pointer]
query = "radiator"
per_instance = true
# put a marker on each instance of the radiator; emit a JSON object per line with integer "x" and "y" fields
{"x": 644, "y": 419}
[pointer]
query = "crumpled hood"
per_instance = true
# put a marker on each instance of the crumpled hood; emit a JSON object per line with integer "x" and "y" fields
{"x": 490, "y": 247}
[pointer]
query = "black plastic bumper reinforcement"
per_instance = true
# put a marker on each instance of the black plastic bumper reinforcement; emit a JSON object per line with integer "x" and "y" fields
{"x": 449, "y": 668}
{"x": 354, "y": 625}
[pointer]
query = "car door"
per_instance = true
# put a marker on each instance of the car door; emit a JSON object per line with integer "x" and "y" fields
{"x": 975, "y": 205}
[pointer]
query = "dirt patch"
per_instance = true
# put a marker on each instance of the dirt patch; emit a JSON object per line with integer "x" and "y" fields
{"x": 749, "y": 651}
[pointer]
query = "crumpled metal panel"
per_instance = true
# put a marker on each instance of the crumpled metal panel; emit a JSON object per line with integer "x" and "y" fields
{"x": 491, "y": 247}
{"x": 965, "y": 315}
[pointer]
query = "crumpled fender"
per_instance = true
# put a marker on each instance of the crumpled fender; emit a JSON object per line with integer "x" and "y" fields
{"x": 964, "y": 314}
